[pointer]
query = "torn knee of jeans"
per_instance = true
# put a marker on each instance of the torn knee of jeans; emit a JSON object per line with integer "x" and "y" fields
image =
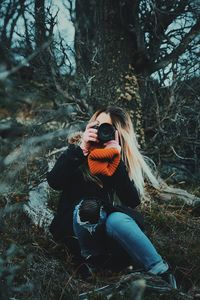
{"x": 89, "y": 210}
{"x": 87, "y": 223}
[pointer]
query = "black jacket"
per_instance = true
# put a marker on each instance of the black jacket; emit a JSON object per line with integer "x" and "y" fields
{"x": 67, "y": 177}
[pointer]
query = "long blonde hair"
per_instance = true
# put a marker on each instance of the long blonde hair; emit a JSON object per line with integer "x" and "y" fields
{"x": 138, "y": 165}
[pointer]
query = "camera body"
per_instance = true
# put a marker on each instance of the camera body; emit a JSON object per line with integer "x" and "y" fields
{"x": 105, "y": 132}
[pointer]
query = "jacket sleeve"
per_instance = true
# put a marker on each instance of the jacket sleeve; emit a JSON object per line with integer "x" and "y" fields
{"x": 124, "y": 187}
{"x": 65, "y": 167}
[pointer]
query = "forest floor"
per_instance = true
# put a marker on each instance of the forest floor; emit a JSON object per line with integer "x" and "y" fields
{"x": 33, "y": 266}
{"x": 171, "y": 227}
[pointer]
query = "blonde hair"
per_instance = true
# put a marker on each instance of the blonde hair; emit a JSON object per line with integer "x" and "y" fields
{"x": 136, "y": 163}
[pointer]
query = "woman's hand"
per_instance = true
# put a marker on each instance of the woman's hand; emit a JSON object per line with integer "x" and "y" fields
{"x": 113, "y": 143}
{"x": 89, "y": 135}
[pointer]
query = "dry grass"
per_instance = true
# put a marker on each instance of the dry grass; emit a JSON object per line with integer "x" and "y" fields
{"x": 171, "y": 226}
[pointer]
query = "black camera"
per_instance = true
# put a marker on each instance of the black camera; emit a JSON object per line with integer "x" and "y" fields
{"x": 105, "y": 132}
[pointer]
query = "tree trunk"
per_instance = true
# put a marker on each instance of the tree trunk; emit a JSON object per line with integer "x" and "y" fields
{"x": 105, "y": 44}
{"x": 40, "y": 31}
{"x": 42, "y": 61}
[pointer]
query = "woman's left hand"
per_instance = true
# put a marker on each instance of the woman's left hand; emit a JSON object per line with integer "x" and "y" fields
{"x": 113, "y": 143}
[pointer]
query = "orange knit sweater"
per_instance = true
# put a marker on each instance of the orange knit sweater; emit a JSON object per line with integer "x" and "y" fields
{"x": 103, "y": 161}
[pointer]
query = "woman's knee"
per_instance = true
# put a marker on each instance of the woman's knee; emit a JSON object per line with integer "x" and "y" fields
{"x": 114, "y": 220}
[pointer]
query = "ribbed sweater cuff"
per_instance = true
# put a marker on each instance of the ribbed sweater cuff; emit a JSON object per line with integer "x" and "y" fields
{"x": 103, "y": 161}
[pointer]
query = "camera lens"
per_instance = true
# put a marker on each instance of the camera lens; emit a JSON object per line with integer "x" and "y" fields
{"x": 106, "y": 132}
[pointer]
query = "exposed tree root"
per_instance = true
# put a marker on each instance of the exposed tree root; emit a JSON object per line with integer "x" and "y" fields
{"x": 134, "y": 285}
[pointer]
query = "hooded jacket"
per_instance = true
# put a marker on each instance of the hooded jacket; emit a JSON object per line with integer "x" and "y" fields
{"x": 66, "y": 176}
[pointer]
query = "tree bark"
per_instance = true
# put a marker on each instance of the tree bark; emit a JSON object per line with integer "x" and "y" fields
{"x": 104, "y": 45}
{"x": 42, "y": 61}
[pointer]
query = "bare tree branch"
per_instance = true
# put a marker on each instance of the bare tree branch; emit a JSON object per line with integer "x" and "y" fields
{"x": 178, "y": 50}
{"x": 5, "y": 74}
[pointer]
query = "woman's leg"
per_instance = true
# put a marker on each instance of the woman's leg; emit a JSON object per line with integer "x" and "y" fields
{"x": 90, "y": 236}
{"x": 125, "y": 230}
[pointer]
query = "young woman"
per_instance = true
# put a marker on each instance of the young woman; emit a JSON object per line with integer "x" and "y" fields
{"x": 103, "y": 169}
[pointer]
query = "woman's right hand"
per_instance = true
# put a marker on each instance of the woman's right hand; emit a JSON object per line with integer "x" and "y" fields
{"x": 89, "y": 135}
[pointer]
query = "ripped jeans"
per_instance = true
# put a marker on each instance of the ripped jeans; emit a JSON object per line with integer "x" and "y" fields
{"x": 124, "y": 233}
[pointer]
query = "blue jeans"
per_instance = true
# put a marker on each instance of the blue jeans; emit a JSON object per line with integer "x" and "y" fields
{"x": 122, "y": 229}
